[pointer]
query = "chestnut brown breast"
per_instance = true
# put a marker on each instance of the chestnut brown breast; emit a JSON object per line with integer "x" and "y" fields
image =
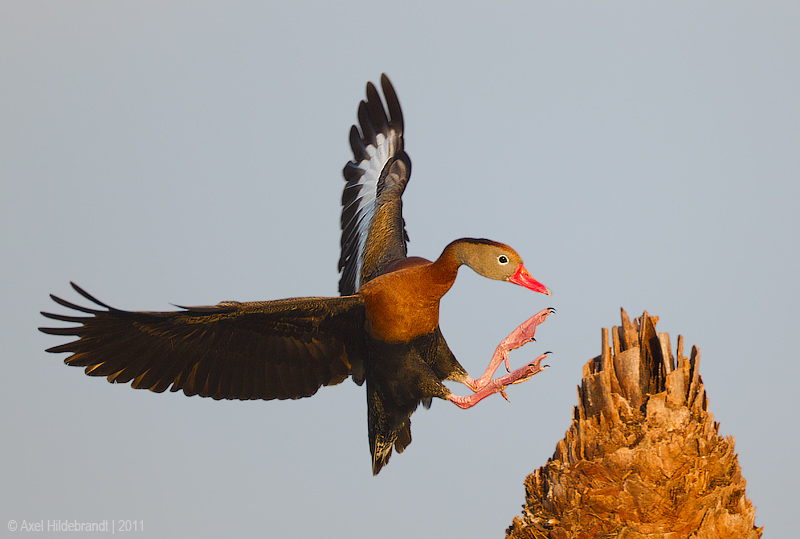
{"x": 404, "y": 304}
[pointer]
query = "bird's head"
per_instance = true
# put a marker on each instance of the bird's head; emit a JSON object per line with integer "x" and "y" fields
{"x": 496, "y": 260}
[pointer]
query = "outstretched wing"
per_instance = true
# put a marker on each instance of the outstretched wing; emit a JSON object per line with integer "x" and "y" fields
{"x": 284, "y": 349}
{"x": 373, "y": 230}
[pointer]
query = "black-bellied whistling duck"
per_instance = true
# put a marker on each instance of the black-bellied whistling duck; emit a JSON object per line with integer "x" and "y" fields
{"x": 383, "y": 329}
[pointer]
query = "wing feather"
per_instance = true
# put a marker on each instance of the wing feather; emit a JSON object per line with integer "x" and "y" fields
{"x": 283, "y": 349}
{"x": 373, "y": 232}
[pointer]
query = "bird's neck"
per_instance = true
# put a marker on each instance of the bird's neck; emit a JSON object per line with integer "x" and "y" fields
{"x": 444, "y": 270}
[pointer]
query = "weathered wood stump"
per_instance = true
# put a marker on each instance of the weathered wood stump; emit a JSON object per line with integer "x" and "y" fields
{"x": 643, "y": 456}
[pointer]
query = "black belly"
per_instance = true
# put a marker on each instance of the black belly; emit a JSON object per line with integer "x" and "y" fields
{"x": 405, "y": 374}
{"x": 400, "y": 377}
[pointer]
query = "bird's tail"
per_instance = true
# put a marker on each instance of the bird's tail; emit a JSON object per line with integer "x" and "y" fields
{"x": 385, "y": 431}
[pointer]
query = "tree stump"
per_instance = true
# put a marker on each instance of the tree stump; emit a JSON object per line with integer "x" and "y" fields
{"x": 643, "y": 456}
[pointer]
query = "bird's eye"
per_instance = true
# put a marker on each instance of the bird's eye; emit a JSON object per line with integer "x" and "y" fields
{"x": 502, "y": 259}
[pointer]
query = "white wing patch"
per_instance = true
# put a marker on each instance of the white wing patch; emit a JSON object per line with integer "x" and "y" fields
{"x": 368, "y": 192}
{"x": 376, "y": 141}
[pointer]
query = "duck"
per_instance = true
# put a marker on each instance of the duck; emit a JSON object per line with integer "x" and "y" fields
{"x": 382, "y": 329}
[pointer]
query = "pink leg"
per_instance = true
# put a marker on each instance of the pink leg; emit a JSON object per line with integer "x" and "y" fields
{"x": 520, "y": 336}
{"x": 498, "y": 385}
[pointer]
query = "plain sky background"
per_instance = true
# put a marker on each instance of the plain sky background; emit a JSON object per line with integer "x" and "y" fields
{"x": 637, "y": 155}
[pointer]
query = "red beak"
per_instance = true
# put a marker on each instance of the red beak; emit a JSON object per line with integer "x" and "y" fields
{"x": 523, "y": 278}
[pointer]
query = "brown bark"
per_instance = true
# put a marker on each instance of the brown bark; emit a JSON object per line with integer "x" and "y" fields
{"x": 643, "y": 456}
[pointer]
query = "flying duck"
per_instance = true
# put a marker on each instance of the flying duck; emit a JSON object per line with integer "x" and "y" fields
{"x": 382, "y": 329}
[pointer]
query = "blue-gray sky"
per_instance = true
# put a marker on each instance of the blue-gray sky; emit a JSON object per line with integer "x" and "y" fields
{"x": 642, "y": 156}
